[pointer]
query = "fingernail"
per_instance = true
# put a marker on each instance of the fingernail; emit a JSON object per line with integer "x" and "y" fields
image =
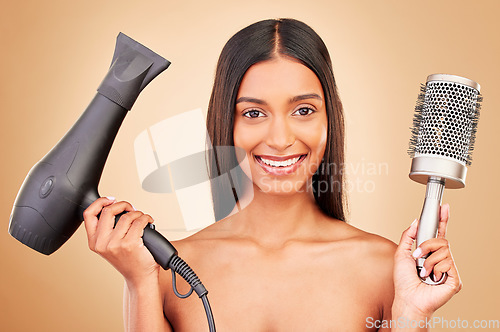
{"x": 423, "y": 272}
{"x": 417, "y": 252}
{"x": 111, "y": 198}
{"x": 414, "y": 222}
{"x": 133, "y": 207}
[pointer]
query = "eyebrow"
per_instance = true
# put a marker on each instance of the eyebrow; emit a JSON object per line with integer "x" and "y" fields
{"x": 292, "y": 100}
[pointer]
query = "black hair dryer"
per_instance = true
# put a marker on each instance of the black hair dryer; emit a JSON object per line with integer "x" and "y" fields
{"x": 49, "y": 206}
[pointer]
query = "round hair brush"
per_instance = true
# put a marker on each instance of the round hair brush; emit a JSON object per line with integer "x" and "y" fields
{"x": 443, "y": 135}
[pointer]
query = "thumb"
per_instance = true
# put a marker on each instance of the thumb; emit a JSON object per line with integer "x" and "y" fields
{"x": 407, "y": 238}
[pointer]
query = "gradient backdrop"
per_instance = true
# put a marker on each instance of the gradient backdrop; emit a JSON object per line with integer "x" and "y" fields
{"x": 55, "y": 53}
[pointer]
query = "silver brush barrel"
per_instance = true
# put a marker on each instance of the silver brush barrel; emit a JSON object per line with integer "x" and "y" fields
{"x": 443, "y": 135}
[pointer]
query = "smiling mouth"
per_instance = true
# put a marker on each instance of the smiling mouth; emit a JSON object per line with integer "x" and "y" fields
{"x": 280, "y": 165}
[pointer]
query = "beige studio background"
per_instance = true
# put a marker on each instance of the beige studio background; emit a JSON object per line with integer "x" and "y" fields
{"x": 55, "y": 53}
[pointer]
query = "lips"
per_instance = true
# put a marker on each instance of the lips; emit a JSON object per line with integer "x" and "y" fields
{"x": 280, "y": 165}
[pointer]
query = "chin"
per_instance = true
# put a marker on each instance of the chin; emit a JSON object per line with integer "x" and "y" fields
{"x": 282, "y": 187}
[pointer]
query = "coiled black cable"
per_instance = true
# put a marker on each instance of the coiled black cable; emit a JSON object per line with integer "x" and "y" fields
{"x": 178, "y": 265}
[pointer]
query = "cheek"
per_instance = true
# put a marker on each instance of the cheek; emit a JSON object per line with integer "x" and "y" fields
{"x": 246, "y": 137}
{"x": 237, "y": 135}
{"x": 315, "y": 138}
{"x": 322, "y": 139}
{"x": 239, "y": 138}
{"x": 245, "y": 140}
{"x": 317, "y": 145}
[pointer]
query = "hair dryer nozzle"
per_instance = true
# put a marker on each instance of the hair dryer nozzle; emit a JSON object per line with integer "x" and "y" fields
{"x": 132, "y": 68}
{"x": 49, "y": 206}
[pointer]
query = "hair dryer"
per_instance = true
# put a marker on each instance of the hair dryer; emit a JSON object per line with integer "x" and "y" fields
{"x": 49, "y": 206}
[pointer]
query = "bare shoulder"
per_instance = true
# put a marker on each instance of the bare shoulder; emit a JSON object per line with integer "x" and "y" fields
{"x": 196, "y": 250}
{"x": 370, "y": 263}
{"x": 204, "y": 243}
{"x": 372, "y": 247}
{"x": 367, "y": 258}
{"x": 378, "y": 244}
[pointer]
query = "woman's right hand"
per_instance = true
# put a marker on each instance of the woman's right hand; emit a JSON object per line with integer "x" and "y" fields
{"x": 122, "y": 246}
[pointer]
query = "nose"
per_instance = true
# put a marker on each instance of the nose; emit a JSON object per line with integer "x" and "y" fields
{"x": 280, "y": 134}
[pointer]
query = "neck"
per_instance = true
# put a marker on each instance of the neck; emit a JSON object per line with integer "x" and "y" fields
{"x": 273, "y": 219}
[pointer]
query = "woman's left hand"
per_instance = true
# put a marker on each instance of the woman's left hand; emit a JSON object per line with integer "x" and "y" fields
{"x": 412, "y": 295}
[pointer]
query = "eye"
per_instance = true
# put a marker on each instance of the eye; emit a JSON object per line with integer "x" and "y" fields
{"x": 253, "y": 114}
{"x": 304, "y": 111}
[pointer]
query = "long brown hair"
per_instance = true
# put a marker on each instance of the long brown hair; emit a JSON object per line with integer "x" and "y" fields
{"x": 259, "y": 42}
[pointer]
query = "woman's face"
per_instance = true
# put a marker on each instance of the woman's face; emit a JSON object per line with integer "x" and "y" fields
{"x": 280, "y": 121}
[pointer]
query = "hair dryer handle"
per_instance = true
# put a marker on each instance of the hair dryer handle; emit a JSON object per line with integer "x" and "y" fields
{"x": 161, "y": 249}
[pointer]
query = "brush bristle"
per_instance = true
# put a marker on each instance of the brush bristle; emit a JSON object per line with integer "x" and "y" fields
{"x": 445, "y": 121}
{"x": 475, "y": 121}
{"x": 417, "y": 119}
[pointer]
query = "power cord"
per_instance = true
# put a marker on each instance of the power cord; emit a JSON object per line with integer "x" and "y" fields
{"x": 178, "y": 265}
{"x": 166, "y": 256}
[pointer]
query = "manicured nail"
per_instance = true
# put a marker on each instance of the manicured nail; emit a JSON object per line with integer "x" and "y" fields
{"x": 414, "y": 222}
{"x": 133, "y": 207}
{"x": 111, "y": 198}
{"x": 417, "y": 252}
{"x": 423, "y": 272}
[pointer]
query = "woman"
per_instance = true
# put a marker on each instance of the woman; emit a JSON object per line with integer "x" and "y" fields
{"x": 287, "y": 261}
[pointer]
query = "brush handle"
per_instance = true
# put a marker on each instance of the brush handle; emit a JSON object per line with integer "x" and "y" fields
{"x": 429, "y": 222}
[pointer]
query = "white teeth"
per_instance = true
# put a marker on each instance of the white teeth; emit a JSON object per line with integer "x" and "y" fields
{"x": 283, "y": 163}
